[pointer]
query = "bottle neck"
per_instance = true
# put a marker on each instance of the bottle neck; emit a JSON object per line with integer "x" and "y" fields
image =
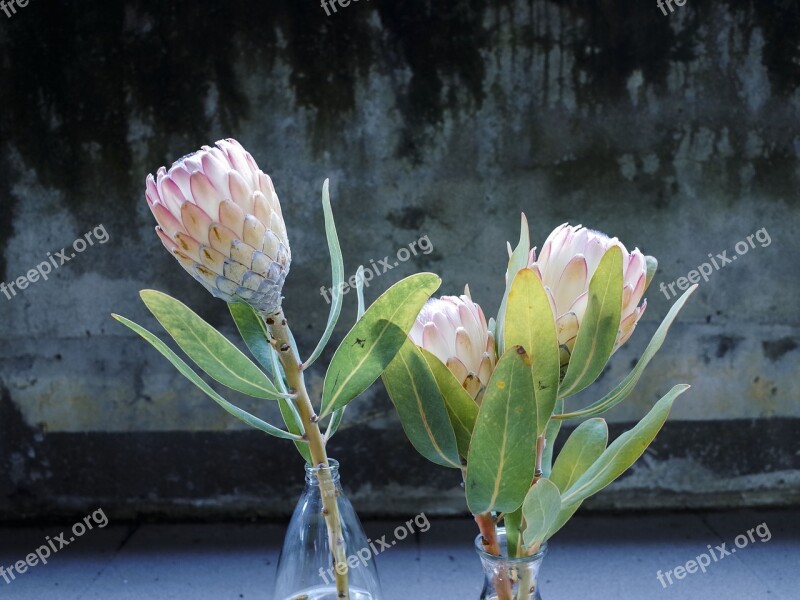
{"x": 312, "y": 473}
{"x": 490, "y": 559}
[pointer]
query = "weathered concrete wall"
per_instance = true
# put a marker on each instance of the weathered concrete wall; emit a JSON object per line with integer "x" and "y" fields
{"x": 677, "y": 133}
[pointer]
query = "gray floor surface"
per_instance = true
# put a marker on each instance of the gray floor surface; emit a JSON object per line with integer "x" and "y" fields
{"x": 602, "y": 557}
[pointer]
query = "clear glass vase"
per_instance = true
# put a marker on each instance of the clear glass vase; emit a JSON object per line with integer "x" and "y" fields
{"x": 305, "y": 567}
{"x": 509, "y": 578}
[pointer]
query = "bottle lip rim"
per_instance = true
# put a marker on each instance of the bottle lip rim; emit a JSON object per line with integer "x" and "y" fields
{"x": 333, "y": 467}
{"x": 501, "y": 531}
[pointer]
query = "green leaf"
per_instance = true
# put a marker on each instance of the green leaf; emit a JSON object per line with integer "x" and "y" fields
{"x": 461, "y": 408}
{"x": 518, "y": 260}
{"x": 295, "y": 425}
{"x": 627, "y": 385}
{"x": 600, "y": 326}
{"x": 623, "y": 452}
{"x": 374, "y": 340}
{"x": 254, "y": 333}
{"x": 530, "y": 324}
{"x": 420, "y": 406}
{"x": 187, "y": 372}
{"x": 581, "y": 450}
{"x": 208, "y": 348}
{"x": 564, "y": 515}
{"x": 651, "y": 268}
{"x": 338, "y": 414}
{"x": 502, "y": 454}
{"x": 277, "y": 368}
{"x": 541, "y": 507}
{"x": 550, "y": 435}
{"x": 337, "y": 275}
{"x": 513, "y": 523}
{"x": 335, "y": 422}
{"x": 360, "y": 291}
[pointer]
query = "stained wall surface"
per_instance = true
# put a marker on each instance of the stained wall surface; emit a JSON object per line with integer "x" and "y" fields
{"x": 435, "y": 121}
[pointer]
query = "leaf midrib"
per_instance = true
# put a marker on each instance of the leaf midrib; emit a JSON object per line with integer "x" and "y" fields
{"x": 422, "y": 412}
{"x": 501, "y": 465}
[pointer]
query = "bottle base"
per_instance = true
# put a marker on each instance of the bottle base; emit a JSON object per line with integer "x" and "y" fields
{"x": 329, "y": 593}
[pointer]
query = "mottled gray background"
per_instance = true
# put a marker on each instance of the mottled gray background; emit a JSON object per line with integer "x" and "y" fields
{"x": 679, "y": 134}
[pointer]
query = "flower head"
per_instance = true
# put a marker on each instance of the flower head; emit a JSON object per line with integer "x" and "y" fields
{"x": 568, "y": 261}
{"x": 219, "y": 216}
{"x": 454, "y": 329}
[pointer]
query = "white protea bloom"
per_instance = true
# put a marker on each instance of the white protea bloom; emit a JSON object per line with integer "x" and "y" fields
{"x": 218, "y": 214}
{"x": 454, "y": 329}
{"x": 568, "y": 260}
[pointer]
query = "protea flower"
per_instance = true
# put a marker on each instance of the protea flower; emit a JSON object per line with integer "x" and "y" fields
{"x": 218, "y": 214}
{"x": 569, "y": 258}
{"x": 454, "y": 329}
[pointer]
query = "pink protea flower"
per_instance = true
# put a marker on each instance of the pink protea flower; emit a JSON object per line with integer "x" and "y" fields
{"x": 569, "y": 258}
{"x": 219, "y": 216}
{"x": 454, "y": 329}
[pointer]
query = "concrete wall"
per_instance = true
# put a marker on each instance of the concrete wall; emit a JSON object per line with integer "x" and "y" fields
{"x": 677, "y": 133}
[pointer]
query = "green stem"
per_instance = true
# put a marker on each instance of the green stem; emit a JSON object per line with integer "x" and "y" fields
{"x": 281, "y": 340}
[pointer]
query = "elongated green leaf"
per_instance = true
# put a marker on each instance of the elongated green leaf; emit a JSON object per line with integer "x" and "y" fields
{"x": 623, "y": 452}
{"x": 338, "y": 414}
{"x": 461, "y": 408}
{"x": 337, "y": 275}
{"x": 360, "y": 292}
{"x": 420, "y": 406}
{"x": 293, "y": 423}
{"x": 187, "y": 372}
{"x": 550, "y": 436}
{"x": 208, "y": 348}
{"x": 651, "y": 267}
{"x": 572, "y": 462}
{"x": 254, "y": 333}
{"x": 513, "y": 523}
{"x": 581, "y": 450}
{"x": 502, "y": 455}
{"x": 600, "y": 326}
{"x": 335, "y": 422}
{"x": 374, "y": 340}
{"x": 540, "y": 509}
{"x": 627, "y": 385}
{"x": 280, "y": 379}
{"x": 518, "y": 260}
{"x": 564, "y": 515}
{"x": 530, "y": 324}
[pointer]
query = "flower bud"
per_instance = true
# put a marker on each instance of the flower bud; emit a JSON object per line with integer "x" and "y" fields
{"x": 568, "y": 261}
{"x": 219, "y": 216}
{"x": 454, "y": 329}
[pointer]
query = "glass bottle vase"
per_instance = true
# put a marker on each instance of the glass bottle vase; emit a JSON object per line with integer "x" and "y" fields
{"x": 305, "y": 567}
{"x": 509, "y": 578}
